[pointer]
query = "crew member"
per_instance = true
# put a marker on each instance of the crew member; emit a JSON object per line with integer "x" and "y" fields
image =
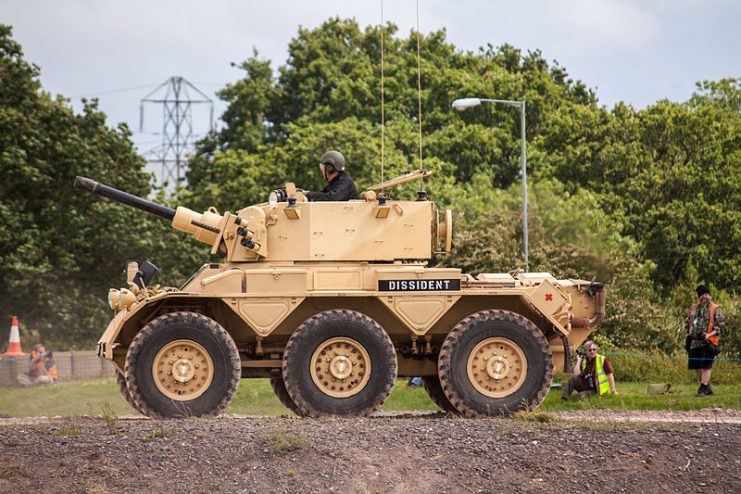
{"x": 340, "y": 186}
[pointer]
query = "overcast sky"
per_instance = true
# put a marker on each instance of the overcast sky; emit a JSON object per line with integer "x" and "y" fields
{"x": 628, "y": 50}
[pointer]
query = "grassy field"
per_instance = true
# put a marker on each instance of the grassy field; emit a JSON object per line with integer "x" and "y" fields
{"x": 255, "y": 397}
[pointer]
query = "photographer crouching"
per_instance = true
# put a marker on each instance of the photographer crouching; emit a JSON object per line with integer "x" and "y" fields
{"x": 592, "y": 374}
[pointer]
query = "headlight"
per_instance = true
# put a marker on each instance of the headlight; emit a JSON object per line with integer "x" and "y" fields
{"x": 120, "y": 299}
{"x": 276, "y": 196}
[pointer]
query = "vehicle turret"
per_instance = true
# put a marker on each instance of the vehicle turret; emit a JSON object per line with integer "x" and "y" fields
{"x": 289, "y": 228}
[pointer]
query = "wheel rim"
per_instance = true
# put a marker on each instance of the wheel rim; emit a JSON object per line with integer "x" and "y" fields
{"x": 497, "y": 367}
{"x": 183, "y": 370}
{"x": 340, "y": 367}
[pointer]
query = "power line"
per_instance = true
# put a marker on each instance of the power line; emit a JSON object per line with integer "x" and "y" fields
{"x": 111, "y": 91}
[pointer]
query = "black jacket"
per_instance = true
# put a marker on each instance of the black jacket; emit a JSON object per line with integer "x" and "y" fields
{"x": 340, "y": 188}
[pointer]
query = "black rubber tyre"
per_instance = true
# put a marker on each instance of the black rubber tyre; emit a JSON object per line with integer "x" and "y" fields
{"x": 279, "y": 388}
{"x": 318, "y": 332}
{"x": 437, "y": 395}
{"x": 517, "y": 333}
{"x": 121, "y": 381}
{"x": 193, "y": 329}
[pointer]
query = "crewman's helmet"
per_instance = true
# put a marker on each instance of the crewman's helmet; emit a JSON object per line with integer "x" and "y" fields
{"x": 333, "y": 161}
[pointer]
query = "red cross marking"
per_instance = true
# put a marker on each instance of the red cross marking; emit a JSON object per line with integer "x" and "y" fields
{"x": 549, "y": 297}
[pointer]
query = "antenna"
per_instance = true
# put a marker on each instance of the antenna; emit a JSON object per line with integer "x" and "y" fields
{"x": 383, "y": 116}
{"x": 177, "y": 97}
{"x": 419, "y": 89}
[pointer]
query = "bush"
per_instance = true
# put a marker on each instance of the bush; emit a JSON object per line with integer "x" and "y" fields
{"x": 628, "y": 366}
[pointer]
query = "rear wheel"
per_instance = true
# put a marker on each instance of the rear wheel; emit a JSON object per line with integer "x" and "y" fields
{"x": 182, "y": 364}
{"x": 495, "y": 362}
{"x": 339, "y": 362}
{"x": 437, "y": 395}
{"x": 279, "y": 388}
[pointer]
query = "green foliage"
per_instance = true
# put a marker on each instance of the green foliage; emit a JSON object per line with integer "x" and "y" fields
{"x": 671, "y": 171}
{"x": 328, "y": 96}
{"x": 658, "y": 367}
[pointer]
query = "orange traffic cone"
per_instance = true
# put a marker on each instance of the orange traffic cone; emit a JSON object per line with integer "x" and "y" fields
{"x": 14, "y": 345}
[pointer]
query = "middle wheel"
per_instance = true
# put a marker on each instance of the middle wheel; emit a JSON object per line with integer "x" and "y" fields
{"x": 339, "y": 362}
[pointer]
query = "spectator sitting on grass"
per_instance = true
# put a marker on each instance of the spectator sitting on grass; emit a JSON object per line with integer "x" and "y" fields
{"x": 37, "y": 371}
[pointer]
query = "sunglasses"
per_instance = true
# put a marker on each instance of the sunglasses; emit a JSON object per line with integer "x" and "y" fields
{"x": 592, "y": 350}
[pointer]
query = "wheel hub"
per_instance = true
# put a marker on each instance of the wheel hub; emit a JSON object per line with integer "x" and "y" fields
{"x": 183, "y": 370}
{"x": 497, "y": 367}
{"x": 340, "y": 367}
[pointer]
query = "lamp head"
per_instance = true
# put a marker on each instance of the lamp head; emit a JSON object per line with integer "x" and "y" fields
{"x": 463, "y": 103}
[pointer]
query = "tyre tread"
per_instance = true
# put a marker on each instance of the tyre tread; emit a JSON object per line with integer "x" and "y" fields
{"x": 452, "y": 340}
{"x": 121, "y": 381}
{"x": 155, "y": 325}
{"x": 437, "y": 395}
{"x": 279, "y": 389}
{"x": 388, "y": 348}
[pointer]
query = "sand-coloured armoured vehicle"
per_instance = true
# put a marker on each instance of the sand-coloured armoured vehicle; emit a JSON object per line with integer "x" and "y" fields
{"x": 333, "y": 301}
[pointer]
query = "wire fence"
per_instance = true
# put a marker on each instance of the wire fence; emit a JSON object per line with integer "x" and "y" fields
{"x": 668, "y": 357}
{"x": 71, "y": 366}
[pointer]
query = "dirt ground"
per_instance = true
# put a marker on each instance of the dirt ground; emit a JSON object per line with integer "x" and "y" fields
{"x": 596, "y": 451}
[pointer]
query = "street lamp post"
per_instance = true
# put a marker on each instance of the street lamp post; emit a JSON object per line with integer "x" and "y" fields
{"x": 462, "y": 104}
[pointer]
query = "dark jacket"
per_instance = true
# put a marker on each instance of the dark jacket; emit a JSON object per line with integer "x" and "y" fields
{"x": 340, "y": 188}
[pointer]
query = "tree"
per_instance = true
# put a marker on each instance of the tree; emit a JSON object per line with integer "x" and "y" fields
{"x": 55, "y": 242}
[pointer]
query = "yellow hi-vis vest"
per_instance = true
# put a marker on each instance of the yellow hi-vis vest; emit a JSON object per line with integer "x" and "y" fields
{"x": 603, "y": 383}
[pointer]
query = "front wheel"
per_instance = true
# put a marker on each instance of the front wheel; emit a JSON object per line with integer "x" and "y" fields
{"x": 182, "y": 364}
{"x": 495, "y": 362}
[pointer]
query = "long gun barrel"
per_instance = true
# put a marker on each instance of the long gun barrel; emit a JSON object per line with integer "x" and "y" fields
{"x": 203, "y": 226}
{"x": 124, "y": 197}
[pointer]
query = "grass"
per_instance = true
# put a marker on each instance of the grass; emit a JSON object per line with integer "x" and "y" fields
{"x": 255, "y": 397}
{"x": 157, "y": 433}
{"x": 634, "y": 396}
{"x": 110, "y": 417}
{"x": 279, "y": 441}
{"x": 69, "y": 430}
{"x": 14, "y": 471}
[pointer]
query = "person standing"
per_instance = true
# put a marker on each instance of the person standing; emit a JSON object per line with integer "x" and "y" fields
{"x": 704, "y": 326}
{"x": 592, "y": 374}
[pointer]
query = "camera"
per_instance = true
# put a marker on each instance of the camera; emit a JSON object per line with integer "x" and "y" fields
{"x": 581, "y": 353}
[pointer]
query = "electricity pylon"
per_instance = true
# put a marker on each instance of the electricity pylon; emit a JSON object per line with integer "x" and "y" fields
{"x": 177, "y": 97}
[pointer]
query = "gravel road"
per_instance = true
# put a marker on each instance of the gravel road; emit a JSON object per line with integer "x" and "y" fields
{"x": 601, "y": 451}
